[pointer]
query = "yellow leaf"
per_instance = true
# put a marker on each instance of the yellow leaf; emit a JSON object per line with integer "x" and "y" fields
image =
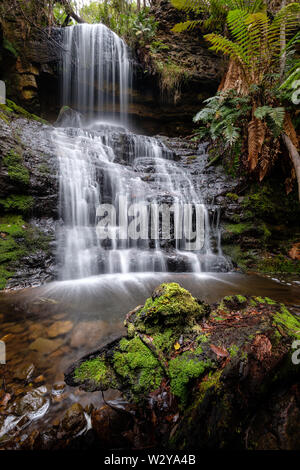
{"x": 176, "y": 346}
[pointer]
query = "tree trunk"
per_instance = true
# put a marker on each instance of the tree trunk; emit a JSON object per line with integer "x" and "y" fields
{"x": 295, "y": 157}
{"x": 282, "y": 45}
{"x": 69, "y": 10}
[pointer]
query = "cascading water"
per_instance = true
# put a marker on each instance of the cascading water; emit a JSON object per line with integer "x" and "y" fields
{"x": 102, "y": 163}
{"x": 96, "y": 71}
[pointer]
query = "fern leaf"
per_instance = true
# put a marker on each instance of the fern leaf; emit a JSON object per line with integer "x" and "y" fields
{"x": 221, "y": 44}
{"x": 186, "y": 26}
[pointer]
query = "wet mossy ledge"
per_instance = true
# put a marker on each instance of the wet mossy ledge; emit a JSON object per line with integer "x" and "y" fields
{"x": 23, "y": 184}
{"x": 261, "y": 227}
{"x": 213, "y": 364}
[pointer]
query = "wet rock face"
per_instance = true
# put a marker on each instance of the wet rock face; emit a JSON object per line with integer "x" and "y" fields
{"x": 28, "y": 64}
{"x": 28, "y": 198}
{"x": 216, "y": 365}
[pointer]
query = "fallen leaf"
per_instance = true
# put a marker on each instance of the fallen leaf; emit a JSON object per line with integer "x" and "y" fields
{"x": 219, "y": 351}
{"x": 294, "y": 252}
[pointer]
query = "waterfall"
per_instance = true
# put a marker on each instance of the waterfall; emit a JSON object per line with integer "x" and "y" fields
{"x": 96, "y": 71}
{"x": 102, "y": 163}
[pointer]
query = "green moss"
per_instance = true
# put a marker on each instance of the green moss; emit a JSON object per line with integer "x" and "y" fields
{"x": 4, "y": 118}
{"x": 278, "y": 264}
{"x": 233, "y": 350}
{"x": 135, "y": 363}
{"x": 182, "y": 370}
{"x": 232, "y": 196}
{"x": 265, "y": 300}
{"x": 12, "y": 231}
{"x": 15, "y": 167}
{"x": 289, "y": 322}
{"x": 19, "y": 110}
{"x": 235, "y": 298}
{"x": 95, "y": 370}
{"x": 10, "y": 47}
{"x": 171, "y": 76}
{"x": 238, "y": 229}
{"x": 204, "y": 338}
{"x": 17, "y": 239}
{"x": 4, "y": 276}
{"x": 212, "y": 380}
{"x": 17, "y": 202}
{"x": 241, "y": 257}
{"x": 171, "y": 305}
{"x": 164, "y": 341}
{"x": 11, "y": 107}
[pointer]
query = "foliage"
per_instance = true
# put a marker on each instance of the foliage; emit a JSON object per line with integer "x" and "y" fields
{"x": 212, "y": 14}
{"x": 172, "y": 76}
{"x": 289, "y": 89}
{"x": 15, "y": 168}
{"x": 256, "y": 48}
{"x": 273, "y": 116}
{"x": 223, "y": 116}
{"x": 123, "y": 18}
{"x": 255, "y": 44}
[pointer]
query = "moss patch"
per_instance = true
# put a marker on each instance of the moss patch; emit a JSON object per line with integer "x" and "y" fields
{"x": 183, "y": 369}
{"x": 15, "y": 167}
{"x": 11, "y": 107}
{"x": 17, "y": 239}
{"x": 289, "y": 322}
{"x": 170, "y": 304}
{"x": 95, "y": 370}
{"x": 135, "y": 363}
{"x": 17, "y": 203}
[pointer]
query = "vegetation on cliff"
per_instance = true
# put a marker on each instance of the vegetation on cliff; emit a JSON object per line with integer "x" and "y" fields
{"x": 259, "y": 84}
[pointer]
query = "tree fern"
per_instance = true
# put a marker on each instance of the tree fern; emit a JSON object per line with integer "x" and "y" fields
{"x": 273, "y": 116}
{"x": 213, "y": 12}
{"x": 255, "y": 43}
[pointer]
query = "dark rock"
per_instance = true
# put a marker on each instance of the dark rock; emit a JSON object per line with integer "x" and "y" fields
{"x": 73, "y": 421}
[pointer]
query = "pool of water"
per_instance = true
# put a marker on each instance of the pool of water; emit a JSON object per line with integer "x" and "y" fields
{"x": 52, "y": 326}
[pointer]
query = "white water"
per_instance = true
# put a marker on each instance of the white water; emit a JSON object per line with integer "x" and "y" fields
{"x": 100, "y": 161}
{"x": 96, "y": 71}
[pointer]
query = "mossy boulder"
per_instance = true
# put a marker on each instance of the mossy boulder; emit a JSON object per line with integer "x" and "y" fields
{"x": 215, "y": 366}
{"x": 169, "y": 306}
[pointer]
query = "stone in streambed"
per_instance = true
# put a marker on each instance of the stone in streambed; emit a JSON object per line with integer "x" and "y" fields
{"x": 33, "y": 404}
{"x": 73, "y": 421}
{"x": 59, "y": 328}
{"x": 87, "y": 333}
{"x": 24, "y": 372}
{"x": 46, "y": 346}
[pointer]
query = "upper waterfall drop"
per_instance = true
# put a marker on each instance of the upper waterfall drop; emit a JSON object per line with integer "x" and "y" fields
{"x": 96, "y": 72}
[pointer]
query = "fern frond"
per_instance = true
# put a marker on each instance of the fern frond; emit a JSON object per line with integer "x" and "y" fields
{"x": 186, "y": 26}
{"x": 191, "y": 5}
{"x": 287, "y": 18}
{"x": 221, "y": 44}
{"x": 274, "y": 117}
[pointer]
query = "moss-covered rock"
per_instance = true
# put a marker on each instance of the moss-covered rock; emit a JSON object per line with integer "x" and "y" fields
{"x": 215, "y": 369}
{"x": 17, "y": 240}
{"x": 169, "y": 306}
